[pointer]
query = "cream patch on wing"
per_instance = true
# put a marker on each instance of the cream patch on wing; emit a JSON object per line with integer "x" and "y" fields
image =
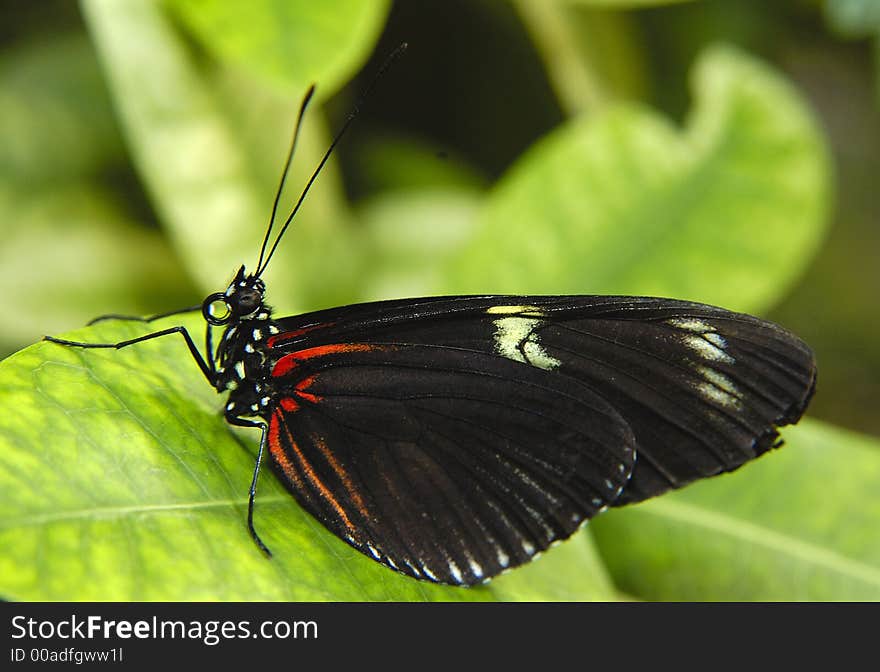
{"x": 703, "y": 339}
{"x": 516, "y": 337}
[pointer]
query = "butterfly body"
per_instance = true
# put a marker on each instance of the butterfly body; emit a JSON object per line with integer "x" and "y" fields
{"x": 239, "y": 362}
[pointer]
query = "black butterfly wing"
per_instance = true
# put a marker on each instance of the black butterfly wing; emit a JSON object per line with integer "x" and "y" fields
{"x": 703, "y": 389}
{"x": 696, "y": 389}
{"x": 444, "y": 463}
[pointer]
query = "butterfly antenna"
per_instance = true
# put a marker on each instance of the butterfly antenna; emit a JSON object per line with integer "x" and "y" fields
{"x": 350, "y": 118}
{"x": 299, "y": 118}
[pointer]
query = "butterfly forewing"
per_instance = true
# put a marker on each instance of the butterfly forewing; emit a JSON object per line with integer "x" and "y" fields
{"x": 454, "y": 437}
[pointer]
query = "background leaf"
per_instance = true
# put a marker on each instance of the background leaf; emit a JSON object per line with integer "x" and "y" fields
{"x": 411, "y": 235}
{"x": 622, "y": 4}
{"x": 194, "y": 170}
{"x": 288, "y": 43}
{"x": 196, "y": 163}
{"x": 702, "y": 215}
{"x": 103, "y": 258}
{"x": 858, "y": 19}
{"x": 798, "y": 524}
{"x": 59, "y": 209}
{"x": 854, "y": 17}
{"x": 68, "y": 118}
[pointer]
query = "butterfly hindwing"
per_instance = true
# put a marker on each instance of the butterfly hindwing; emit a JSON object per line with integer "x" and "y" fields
{"x": 454, "y": 437}
{"x": 445, "y": 463}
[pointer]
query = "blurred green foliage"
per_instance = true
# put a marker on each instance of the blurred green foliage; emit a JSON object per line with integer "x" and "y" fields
{"x": 722, "y": 152}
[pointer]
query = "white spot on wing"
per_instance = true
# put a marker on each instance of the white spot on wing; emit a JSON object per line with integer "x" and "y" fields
{"x": 707, "y": 350}
{"x": 537, "y": 356}
{"x": 702, "y": 338}
{"x": 691, "y": 324}
{"x": 476, "y": 568}
{"x": 718, "y": 388}
{"x": 455, "y": 571}
{"x": 720, "y": 397}
{"x": 515, "y": 338}
{"x": 719, "y": 379}
{"x": 525, "y": 311}
{"x": 716, "y": 339}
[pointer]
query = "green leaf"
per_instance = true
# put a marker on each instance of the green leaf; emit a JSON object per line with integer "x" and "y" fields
{"x": 798, "y": 524}
{"x": 56, "y": 119}
{"x": 622, "y": 4}
{"x": 193, "y": 168}
{"x": 98, "y": 258}
{"x": 119, "y": 480}
{"x": 572, "y": 571}
{"x": 289, "y": 44}
{"x": 409, "y": 235}
{"x": 398, "y": 164}
{"x": 195, "y": 162}
{"x": 728, "y": 211}
{"x": 857, "y": 18}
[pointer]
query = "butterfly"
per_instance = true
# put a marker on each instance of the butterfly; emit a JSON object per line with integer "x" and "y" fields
{"x": 452, "y": 438}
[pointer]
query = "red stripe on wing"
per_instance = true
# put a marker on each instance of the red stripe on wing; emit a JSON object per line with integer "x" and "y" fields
{"x": 302, "y": 475}
{"x": 292, "y": 405}
{"x": 289, "y": 362}
{"x": 303, "y": 385}
{"x": 289, "y": 404}
{"x": 277, "y": 451}
{"x": 284, "y": 336}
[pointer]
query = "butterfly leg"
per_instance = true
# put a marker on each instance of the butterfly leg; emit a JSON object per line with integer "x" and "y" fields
{"x": 207, "y": 370}
{"x": 138, "y": 318}
{"x": 252, "y": 493}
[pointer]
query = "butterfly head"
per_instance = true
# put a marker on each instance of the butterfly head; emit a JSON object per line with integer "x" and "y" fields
{"x": 242, "y": 300}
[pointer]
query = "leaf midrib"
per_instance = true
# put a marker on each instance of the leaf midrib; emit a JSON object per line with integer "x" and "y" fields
{"x": 121, "y": 511}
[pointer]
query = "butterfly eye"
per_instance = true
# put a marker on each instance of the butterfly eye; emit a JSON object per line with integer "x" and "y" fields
{"x": 216, "y": 310}
{"x": 247, "y": 301}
